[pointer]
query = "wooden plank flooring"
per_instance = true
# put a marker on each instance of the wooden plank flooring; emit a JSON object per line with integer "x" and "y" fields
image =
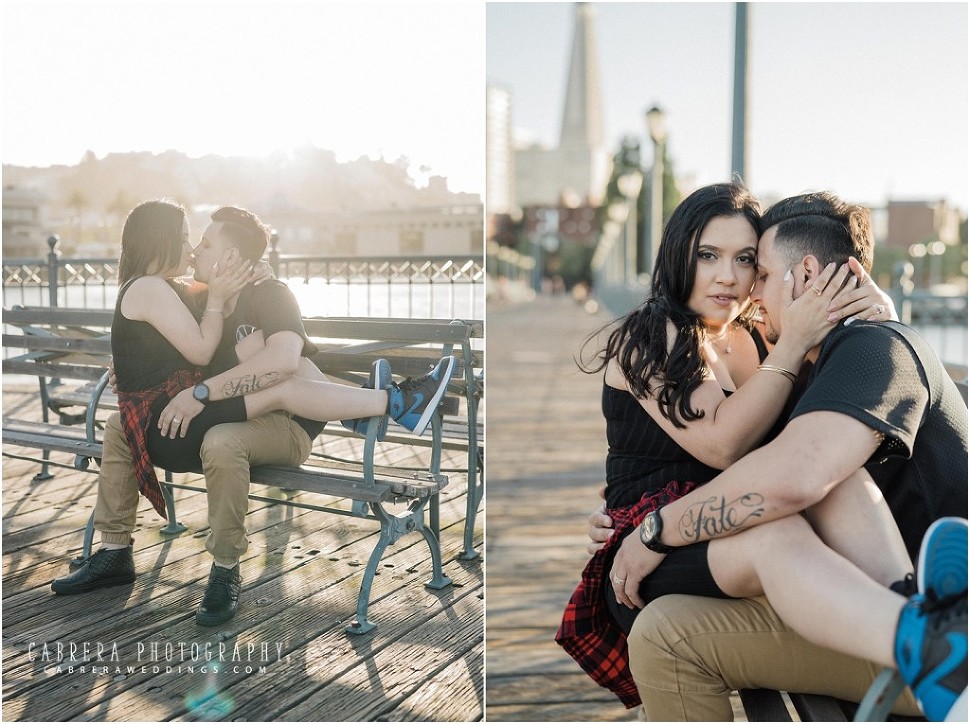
{"x": 424, "y": 661}
{"x": 546, "y": 453}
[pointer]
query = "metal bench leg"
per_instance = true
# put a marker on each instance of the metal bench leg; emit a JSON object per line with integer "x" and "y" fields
{"x": 45, "y": 473}
{"x": 438, "y": 578}
{"x": 878, "y": 701}
{"x": 434, "y": 515}
{"x": 173, "y": 527}
{"x": 361, "y": 624}
{"x": 473, "y": 495}
{"x": 86, "y": 545}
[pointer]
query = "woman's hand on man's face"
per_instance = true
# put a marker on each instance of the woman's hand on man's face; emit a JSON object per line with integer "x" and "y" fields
{"x": 862, "y": 300}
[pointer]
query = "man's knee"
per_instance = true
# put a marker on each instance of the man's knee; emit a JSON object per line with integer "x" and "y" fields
{"x": 115, "y": 440}
{"x": 660, "y": 646}
{"x": 223, "y": 447}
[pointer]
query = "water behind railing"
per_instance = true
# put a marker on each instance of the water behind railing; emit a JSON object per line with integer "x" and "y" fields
{"x": 316, "y": 298}
{"x": 416, "y": 288}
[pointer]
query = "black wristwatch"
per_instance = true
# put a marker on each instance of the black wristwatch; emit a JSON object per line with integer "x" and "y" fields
{"x": 650, "y": 530}
{"x": 201, "y": 392}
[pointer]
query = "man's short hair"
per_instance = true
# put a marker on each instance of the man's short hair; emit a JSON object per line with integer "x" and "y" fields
{"x": 853, "y": 220}
{"x": 244, "y": 229}
{"x": 823, "y": 237}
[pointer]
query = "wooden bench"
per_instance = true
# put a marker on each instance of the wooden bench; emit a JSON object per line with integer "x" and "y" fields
{"x": 57, "y": 345}
{"x": 768, "y": 705}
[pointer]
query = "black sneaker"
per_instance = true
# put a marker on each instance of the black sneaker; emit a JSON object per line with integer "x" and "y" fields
{"x": 104, "y": 569}
{"x": 221, "y": 596}
{"x": 412, "y": 403}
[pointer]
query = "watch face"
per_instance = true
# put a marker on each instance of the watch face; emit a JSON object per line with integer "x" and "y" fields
{"x": 201, "y": 393}
{"x": 650, "y": 526}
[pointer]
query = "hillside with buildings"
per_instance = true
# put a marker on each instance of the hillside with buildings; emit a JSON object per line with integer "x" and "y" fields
{"x": 317, "y": 204}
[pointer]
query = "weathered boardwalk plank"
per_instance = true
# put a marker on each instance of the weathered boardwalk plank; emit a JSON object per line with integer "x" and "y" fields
{"x": 424, "y": 661}
{"x": 546, "y": 453}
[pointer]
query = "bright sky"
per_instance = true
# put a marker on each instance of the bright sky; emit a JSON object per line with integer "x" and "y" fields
{"x": 246, "y": 78}
{"x": 865, "y": 99}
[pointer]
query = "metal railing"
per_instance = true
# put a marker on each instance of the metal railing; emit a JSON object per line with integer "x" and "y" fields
{"x": 413, "y": 286}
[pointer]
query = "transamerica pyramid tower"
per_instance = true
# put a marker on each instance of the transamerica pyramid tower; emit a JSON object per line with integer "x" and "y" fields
{"x": 576, "y": 172}
{"x": 582, "y": 123}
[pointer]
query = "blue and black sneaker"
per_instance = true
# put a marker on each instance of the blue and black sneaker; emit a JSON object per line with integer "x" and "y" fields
{"x": 931, "y": 652}
{"x": 378, "y": 379}
{"x": 931, "y": 637}
{"x": 412, "y": 403}
{"x": 941, "y": 571}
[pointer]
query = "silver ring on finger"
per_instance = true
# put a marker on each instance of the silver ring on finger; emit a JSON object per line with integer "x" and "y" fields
{"x": 617, "y": 579}
{"x": 177, "y": 420}
{"x": 879, "y": 308}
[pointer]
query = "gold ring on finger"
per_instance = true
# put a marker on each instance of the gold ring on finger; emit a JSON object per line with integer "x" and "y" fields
{"x": 817, "y": 291}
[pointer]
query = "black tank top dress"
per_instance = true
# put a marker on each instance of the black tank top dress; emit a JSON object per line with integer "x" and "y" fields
{"x": 144, "y": 358}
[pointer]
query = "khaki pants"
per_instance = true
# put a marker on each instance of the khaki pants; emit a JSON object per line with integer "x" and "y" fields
{"x": 688, "y": 653}
{"x": 228, "y": 451}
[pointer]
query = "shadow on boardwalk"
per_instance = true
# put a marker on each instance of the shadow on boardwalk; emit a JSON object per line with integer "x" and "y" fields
{"x": 285, "y": 657}
{"x": 546, "y": 457}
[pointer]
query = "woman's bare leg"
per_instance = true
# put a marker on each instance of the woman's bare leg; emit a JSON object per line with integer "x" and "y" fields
{"x": 817, "y": 592}
{"x": 855, "y": 521}
{"x": 317, "y": 400}
{"x": 308, "y": 393}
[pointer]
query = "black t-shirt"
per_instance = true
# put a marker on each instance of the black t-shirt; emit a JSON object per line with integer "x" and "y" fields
{"x": 888, "y": 378}
{"x": 269, "y": 307}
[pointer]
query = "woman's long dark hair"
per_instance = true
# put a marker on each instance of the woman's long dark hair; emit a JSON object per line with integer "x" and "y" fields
{"x": 152, "y": 233}
{"x": 640, "y": 342}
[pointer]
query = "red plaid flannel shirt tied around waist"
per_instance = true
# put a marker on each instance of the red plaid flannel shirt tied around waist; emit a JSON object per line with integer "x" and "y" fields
{"x": 588, "y": 632}
{"x": 136, "y": 416}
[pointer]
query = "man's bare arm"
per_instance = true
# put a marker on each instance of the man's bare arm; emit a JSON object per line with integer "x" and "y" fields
{"x": 813, "y": 454}
{"x": 278, "y": 360}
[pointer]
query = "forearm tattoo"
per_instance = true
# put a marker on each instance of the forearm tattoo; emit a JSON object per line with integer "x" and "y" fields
{"x": 716, "y": 516}
{"x": 249, "y": 383}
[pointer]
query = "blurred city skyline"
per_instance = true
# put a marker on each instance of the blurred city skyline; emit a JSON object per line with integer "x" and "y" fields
{"x": 868, "y": 100}
{"x": 382, "y": 80}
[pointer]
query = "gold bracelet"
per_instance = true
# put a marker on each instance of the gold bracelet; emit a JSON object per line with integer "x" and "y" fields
{"x": 780, "y": 370}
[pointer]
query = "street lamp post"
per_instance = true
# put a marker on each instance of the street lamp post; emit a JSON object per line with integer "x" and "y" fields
{"x": 629, "y": 185}
{"x": 657, "y": 128}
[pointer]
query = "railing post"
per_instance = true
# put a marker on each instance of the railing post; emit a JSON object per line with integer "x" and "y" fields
{"x": 53, "y": 266}
{"x": 274, "y": 252}
{"x": 902, "y": 291}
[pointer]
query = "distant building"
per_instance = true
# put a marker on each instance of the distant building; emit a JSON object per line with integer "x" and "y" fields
{"x": 451, "y": 230}
{"x": 575, "y": 173}
{"x": 24, "y": 233}
{"x": 912, "y": 222}
{"x": 499, "y": 154}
